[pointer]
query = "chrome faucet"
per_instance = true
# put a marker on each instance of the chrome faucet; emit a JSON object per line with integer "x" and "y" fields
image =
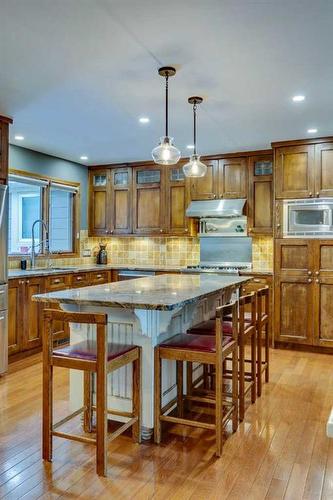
{"x": 46, "y": 241}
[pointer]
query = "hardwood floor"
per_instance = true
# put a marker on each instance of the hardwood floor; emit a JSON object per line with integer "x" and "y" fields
{"x": 279, "y": 451}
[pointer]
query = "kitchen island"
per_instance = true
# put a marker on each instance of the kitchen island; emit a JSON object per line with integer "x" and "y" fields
{"x": 144, "y": 311}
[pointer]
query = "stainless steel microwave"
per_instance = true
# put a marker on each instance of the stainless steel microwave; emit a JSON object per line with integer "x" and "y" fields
{"x": 309, "y": 218}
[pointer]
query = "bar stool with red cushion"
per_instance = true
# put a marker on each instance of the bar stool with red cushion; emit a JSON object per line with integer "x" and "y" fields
{"x": 209, "y": 349}
{"x": 246, "y": 333}
{"x": 97, "y": 357}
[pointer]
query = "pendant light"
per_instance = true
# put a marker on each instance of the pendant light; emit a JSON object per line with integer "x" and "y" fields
{"x": 195, "y": 167}
{"x": 166, "y": 153}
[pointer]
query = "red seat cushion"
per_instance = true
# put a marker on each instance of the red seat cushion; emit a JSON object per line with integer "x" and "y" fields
{"x": 208, "y": 328}
{"x": 87, "y": 350}
{"x": 202, "y": 343}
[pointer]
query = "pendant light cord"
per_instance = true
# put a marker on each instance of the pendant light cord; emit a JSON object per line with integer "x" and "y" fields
{"x": 167, "y": 105}
{"x": 195, "y": 127}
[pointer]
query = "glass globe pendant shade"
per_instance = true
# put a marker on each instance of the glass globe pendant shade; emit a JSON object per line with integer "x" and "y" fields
{"x": 166, "y": 153}
{"x": 195, "y": 167}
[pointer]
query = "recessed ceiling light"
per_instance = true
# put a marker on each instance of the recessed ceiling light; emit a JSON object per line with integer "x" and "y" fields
{"x": 83, "y": 157}
{"x": 144, "y": 119}
{"x": 19, "y": 137}
{"x": 190, "y": 146}
{"x": 298, "y": 98}
{"x": 312, "y": 130}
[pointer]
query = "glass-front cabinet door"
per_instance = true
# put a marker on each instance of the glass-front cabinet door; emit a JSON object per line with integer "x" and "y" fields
{"x": 121, "y": 200}
{"x": 99, "y": 202}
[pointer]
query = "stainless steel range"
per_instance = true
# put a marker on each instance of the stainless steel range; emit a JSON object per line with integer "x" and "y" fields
{"x": 225, "y": 247}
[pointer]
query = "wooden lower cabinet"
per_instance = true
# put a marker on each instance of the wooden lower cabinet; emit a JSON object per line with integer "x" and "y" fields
{"x": 15, "y": 317}
{"x": 293, "y": 310}
{"x": 303, "y": 295}
{"x": 25, "y": 323}
{"x": 25, "y": 316}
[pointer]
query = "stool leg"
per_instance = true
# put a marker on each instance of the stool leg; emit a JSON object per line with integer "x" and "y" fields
{"x": 266, "y": 329}
{"x": 101, "y": 402}
{"x": 180, "y": 401}
{"x": 136, "y": 428}
{"x": 235, "y": 389}
{"x": 253, "y": 368}
{"x": 157, "y": 397}
{"x": 241, "y": 380}
{"x": 87, "y": 389}
{"x": 219, "y": 405}
{"x": 47, "y": 391}
{"x": 189, "y": 382}
{"x": 259, "y": 357}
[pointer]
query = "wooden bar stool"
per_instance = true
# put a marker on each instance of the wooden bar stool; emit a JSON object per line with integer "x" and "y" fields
{"x": 208, "y": 349}
{"x": 263, "y": 329}
{"x": 98, "y": 357}
{"x": 246, "y": 333}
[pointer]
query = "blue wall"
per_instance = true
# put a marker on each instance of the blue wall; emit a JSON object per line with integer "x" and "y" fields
{"x": 39, "y": 163}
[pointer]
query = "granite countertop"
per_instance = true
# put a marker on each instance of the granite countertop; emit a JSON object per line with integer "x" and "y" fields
{"x": 41, "y": 271}
{"x": 164, "y": 292}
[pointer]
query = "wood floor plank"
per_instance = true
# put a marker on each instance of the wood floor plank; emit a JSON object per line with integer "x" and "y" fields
{"x": 279, "y": 451}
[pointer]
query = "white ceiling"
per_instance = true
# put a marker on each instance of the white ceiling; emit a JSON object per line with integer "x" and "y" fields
{"x": 77, "y": 74}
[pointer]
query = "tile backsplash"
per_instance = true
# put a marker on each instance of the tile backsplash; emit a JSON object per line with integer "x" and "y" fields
{"x": 155, "y": 251}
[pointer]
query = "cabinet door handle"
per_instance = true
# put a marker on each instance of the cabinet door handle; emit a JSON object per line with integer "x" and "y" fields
{"x": 309, "y": 280}
{"x": 309, "y": 273}
{"x": 2, "y": 318}
{"x": 317, "y": 280}
{"x": 161, "y": 230}
{"x": 278, "y": 225}
{"x": 214, "y": 195}
{"x": 317, "y": 273}
{"x": 28, "y": 282}
{"x": 186, "y": 230}
{"x": 310, "y": 194}
{"x": 317, "y": 194}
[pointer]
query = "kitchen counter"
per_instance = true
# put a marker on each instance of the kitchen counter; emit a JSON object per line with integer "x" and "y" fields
{"x": 19, "y": 273}
{"x": 144, "y": 312}
{"x": 163, "y": 293}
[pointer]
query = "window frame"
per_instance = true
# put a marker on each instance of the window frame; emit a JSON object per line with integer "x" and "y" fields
{"x": 45, "y": 213}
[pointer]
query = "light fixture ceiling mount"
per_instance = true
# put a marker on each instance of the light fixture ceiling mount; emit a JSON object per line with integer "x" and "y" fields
{"x": 166, "y": 153}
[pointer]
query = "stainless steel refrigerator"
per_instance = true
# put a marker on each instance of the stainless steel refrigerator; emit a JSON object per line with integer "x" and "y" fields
{"x": 3, "y": 279}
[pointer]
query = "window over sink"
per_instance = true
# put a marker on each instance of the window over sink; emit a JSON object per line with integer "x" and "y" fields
{"x": 55, "y": 202}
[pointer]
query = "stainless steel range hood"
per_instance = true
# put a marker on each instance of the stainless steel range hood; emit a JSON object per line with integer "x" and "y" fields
{"x": 216, "y": 208}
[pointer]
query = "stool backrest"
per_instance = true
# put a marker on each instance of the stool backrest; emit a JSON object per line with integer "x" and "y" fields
{"x": 263, "y": 301}
{"x": 230, "y": 309}
{"x": 247, "y": 303}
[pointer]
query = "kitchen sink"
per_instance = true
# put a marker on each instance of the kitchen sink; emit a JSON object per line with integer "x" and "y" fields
{"x": 48, "y": 270}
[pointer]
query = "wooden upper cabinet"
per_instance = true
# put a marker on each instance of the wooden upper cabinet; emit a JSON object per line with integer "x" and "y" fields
{"x": 260, "y": 197}
{"x": 232, "y": 178}
{"x": 148, "y": 200}
{"x": 324, "y": 169}
{"x": 99, "y": 202}
{"x": 294, "y": 257}
{"x": 177, "y": 200}
{"x": 295, "y": 171}
{"x": 204, "y": 188}
{"x": 4, "y": 126}
{"x": 121, "y": 201}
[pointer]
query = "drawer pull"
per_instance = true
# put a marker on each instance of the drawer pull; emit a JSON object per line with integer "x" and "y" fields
{"x": 256, "y": 280}
{"x": 79, "y": 278}
{"x": 56, "y": 281}
{"x": 2, "y": 318}
{"x": 99, "y": 276}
